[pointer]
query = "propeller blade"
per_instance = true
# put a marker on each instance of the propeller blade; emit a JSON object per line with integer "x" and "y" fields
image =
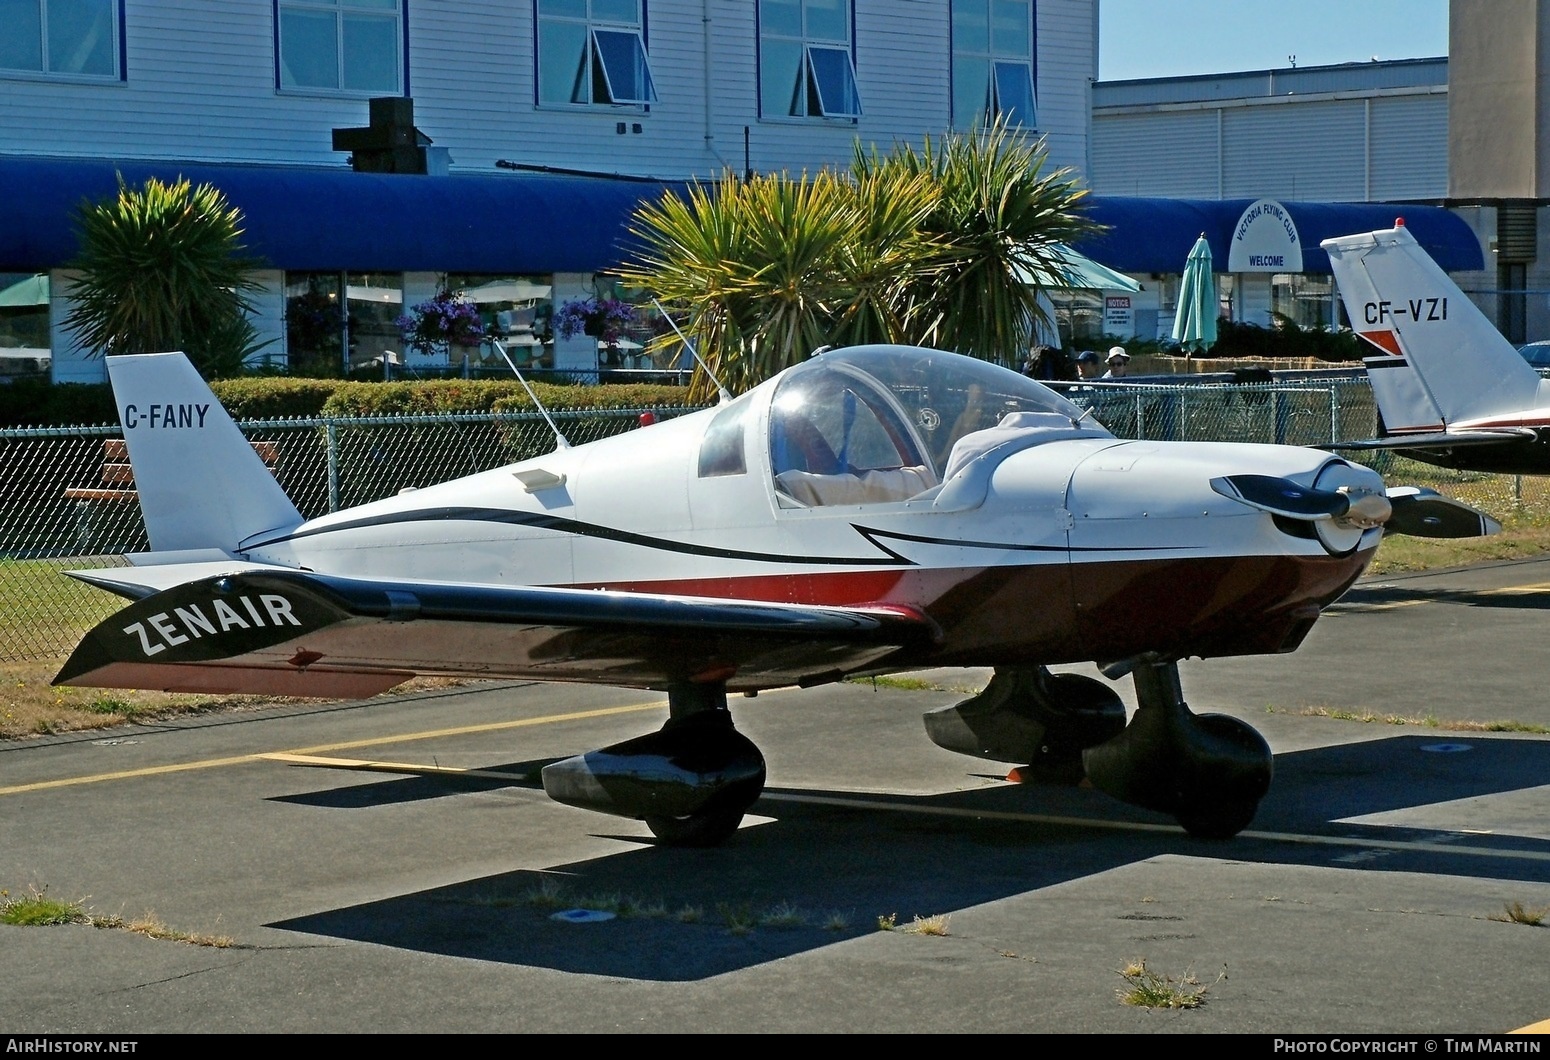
{"x": 1281, "y": 496}
{"x": 1422, "y": 512}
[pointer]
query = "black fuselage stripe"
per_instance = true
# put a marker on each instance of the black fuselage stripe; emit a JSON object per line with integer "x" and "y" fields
{"x": 573, "y": 526}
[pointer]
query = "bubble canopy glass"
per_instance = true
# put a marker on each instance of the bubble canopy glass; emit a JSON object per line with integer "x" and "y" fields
{"x": 883, "y": 407}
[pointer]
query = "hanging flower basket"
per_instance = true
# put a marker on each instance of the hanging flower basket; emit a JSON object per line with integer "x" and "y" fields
{"x": 445, "y": 321}
{"x": 600, "y": 318}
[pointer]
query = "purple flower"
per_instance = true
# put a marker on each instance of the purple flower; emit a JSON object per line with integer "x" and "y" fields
{"x": 602, "y": 317}
{"x": 445, "y": 320}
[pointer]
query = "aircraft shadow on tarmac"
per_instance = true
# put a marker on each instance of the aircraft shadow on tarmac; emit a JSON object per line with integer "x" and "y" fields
{"x": 824, "y": 872}
{"x": 1365, "y": 596}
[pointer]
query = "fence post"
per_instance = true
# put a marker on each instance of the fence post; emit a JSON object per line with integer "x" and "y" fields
{"x": 331, "y": 432}
{"x": 1334, "y": 414}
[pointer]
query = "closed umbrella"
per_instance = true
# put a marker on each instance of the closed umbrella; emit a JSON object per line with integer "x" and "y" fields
{"x": 1194, "y": 325}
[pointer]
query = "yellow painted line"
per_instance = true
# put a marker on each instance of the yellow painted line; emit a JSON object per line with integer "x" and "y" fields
{"x": 1143, "y": 826}
{"x": 1356, "y": 607}
{"x": 1542, "y": 1027}
{"x": 390, "y": 767}
{"x": 216, "y": 763}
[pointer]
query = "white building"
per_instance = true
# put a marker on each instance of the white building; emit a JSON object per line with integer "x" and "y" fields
{"x": 516, "y": 97}
{"x": 1465, "y": 132}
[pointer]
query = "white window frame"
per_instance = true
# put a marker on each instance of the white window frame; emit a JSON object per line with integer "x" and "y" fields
{"x": 807, "y": 98}
{"x": 343, "y": 11}
{"x": 47, "y": 68}
{"x": 596, "y": 81}
{"x": 997, "y": 62}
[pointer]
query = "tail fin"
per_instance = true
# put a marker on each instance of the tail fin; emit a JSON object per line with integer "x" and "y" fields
{"x": 1403, "y": 303}
{"x": 1403, "y": 405}
{"x": 201, "y": 484}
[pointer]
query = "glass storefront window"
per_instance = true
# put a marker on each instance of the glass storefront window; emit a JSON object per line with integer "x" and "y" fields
{"x": 338, "y": 322}
{"x": 24, "y": 338}
{"x": 644, "y": 342}
{"x": 1306, "y": 301}
{"x": 373, "y": 303}
{"x": 314, "y": 324}
{"x": 517, "y": 308}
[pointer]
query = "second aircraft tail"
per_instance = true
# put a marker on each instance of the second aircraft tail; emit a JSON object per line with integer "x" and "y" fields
{"x": 1402, "y": 302}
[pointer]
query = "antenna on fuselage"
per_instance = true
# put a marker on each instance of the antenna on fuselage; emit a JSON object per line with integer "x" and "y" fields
{"x": 560, "y": 441}
{"x": 724, "y": 396}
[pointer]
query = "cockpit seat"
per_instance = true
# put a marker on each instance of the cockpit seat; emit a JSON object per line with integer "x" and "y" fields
{"x": 872, "y": 486}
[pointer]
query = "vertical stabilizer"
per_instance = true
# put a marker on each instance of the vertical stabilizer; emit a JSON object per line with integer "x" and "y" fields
{"x": 1402, "y": 302}
{"x": 201, "y": 484}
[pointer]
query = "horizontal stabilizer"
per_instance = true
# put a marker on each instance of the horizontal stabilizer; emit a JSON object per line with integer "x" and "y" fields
{"x": 1441, "y": 439}
{"x": 1421, "y": 512}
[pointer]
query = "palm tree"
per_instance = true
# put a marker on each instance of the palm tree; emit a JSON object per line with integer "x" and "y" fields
{"x": 932, "y": 247}
{"x": 161, "y": 268}
{"x": 997, "y": 218}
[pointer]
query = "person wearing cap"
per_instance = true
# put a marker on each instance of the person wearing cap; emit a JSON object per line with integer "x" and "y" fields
{"x": 1087, "y": 364}
{"x": 1117, "y": 360}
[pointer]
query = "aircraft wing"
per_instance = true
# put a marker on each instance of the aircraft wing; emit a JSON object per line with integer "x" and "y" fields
{"x": 1441, "y": 439}
{"x": 294, "y": 633}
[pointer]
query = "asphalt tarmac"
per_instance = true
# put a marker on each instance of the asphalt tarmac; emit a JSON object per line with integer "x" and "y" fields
{"x": 881, "y": 885}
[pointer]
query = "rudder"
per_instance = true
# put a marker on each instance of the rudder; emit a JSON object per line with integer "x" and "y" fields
{"x": 201, "y": 484}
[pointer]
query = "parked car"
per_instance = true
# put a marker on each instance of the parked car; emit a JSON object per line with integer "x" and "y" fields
{"x": 1537, "y": 354}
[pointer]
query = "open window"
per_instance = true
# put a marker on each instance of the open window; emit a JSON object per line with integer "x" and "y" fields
{"x": 620, "y": 73}
{"x": 831, "y": 84}
{"x": 806, "y": 63}
{"x": 593, "y": 52}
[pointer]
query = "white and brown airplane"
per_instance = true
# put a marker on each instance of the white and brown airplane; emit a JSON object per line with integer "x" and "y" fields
{"x": 1451, "y": 390}
{"x": 870, "y": 510}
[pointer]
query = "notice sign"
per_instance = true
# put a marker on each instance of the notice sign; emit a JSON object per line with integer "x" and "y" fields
{"x": 1265, "y": 240}
{"x": 1118, "y": 318}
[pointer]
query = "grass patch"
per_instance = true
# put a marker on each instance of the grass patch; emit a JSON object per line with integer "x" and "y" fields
{"x": 37, "y": 909}
{"x": 929, "y": 925}
{"x": 152, "y": 928}
{"x": 1522, "y": 536}
{"x": 1148, "y": 989}
{"x": 31, "y": 706}
{"x": 739, "y": 919}
{"x": 1518, "y": 913}
{"x": 908, "y": 684}
{"x": 1369, "y": 717}
{"x": 782, "y": 915}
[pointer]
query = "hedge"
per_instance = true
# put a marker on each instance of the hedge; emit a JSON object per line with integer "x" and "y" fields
{"x": 38, "y": 403}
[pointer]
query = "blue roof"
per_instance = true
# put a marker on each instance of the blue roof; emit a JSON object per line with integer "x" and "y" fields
{"x": 1154, "y": 235}
{"x": 307, "y": 219}
{"x": 334, "y": 219}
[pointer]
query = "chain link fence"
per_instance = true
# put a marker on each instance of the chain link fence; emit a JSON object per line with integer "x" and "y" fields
{"x": 64, "y": 505}
{"x": 67, "y": 504}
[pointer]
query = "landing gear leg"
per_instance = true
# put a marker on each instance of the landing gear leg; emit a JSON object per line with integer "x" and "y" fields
{"x": 701, "y": 725}
{"x": 691, "y": 781}
{"x": 1209, "y": 771}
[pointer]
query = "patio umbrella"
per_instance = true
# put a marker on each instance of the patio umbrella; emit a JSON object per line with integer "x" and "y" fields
{"x": 1194, "y": 325}
{"x": 31, "y": 291}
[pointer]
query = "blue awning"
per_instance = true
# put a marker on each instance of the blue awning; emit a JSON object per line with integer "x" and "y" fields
{"x": 307, "y": 219}
{"x": 334, "y": 219}
{"x": 1155, "y": 235}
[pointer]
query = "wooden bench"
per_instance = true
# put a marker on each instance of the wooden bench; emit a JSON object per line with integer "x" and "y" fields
{"x": 117, "y": 477}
